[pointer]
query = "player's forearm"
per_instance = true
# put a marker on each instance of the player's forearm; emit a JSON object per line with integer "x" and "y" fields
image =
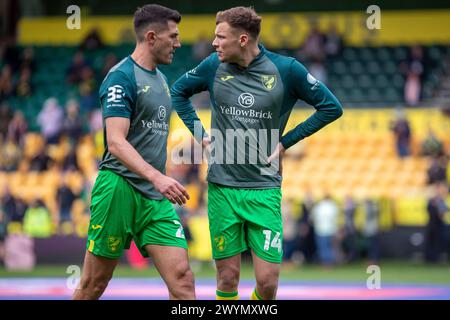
{"x": 324, "y": 115}
{"x": 131, "y": 159}
{"x": 187, "y": 114}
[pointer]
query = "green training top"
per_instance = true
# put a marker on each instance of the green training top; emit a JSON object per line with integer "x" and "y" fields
{"x": 142, "y": 96}
{"x": 246, "y": 100}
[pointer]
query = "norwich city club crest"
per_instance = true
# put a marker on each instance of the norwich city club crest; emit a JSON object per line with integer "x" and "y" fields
{"x": 269, "y": 81}
{"x": 219, "y": 242}
{"x": 114, "y": 243}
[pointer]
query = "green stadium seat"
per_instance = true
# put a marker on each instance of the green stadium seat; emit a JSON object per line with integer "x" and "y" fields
{"x": 358, "y": 75}
{"x": 383, "y": 54}
{"x": 381, "y": 81}
{"x": 374, "y": 96}
{"x": 400, "y": 53}
{"x": 428, "y": 90}
{"x": 390, "y": 67}
{"x": 339, "y": 67}
{"x": 356, "y": 67}
{"x": 373, "y": 67}
{"x": 340, "y": 93}
{"x": 366, "y": 54}
{"x": 434, "y": 53}
{"x": 392, "y": 95}
{"x": 356, "y": 95}
{"x": 365, "y": 81}
{"x": 433, "y": 79}
{"x": 397, "y": 81}
{"x": 349, "y": 54}
{"x": 347, "y": 81}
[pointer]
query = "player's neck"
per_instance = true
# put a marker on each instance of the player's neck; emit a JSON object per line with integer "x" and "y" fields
{"x": 249, "y": 55}
{"x": 143, "y": 58}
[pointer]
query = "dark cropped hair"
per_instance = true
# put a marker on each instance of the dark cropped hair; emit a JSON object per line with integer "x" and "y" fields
{"x": 153, "y": 13}
{"x": 244, "y": 18}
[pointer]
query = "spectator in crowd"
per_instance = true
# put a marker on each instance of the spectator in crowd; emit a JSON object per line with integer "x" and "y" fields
{"x": 10, "y": 155}
{"x": 27, "y": 60}
{"x": 313, "y": 47}
{"x": 313, "y": 53}
{"x": 414, "y": 71}
{"x": 70, "y": 162}
{"x": 92, "y": 41}
{"x": 13, "y": 208}
{"x": 65, "y": 199}
{"x": 3, "y": 231}
{"x": 95, "y": 121}
{"x": 23, "y": 87}
{"x": 436, "y": 237}
{"x": 333, "y": 42}
{"x": 51, "y": 120}
{"x": 290, "y": 232}
{"x": 437, "y": 172}
{"x": 9, "y": 206}
{"x": 73, "y": 123}
{"x": 306, "y": 229}
{"x": 5, "y": 119}
{"x": 370, "y": 230}
{"x": 317, "y": 70}
{"x": 18, "y": 128}
{"x": 41, "y": 162}
{"x": 21, "y": 208}
{"x": 75, "y": 69}
{"x": 88, "y": 90}
{"x": 350, "y": 232}
{"x": 432, "y": 145}
{"x": 402, "y": 134}
{"x": 324, "y": 217}
{"x": 6, "y": 83}
{"x": 37, "y": 221}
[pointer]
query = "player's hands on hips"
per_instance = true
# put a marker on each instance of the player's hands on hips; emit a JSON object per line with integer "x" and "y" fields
{"x": 278, "y": 155}
{"x": 206, "y": 141}
{"x": 206, "y": 145}
{"x": 171, "y": 189}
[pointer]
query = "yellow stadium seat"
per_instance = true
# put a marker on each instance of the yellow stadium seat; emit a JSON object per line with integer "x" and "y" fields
{"x": 34, "y": 143}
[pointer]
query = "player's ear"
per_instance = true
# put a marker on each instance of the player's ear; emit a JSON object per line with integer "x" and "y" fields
{"x": 243, "y": 40}
{"x": 150, "y": 36}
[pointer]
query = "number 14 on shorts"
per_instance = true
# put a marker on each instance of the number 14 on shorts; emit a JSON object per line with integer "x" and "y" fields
{"x": 275, "y": 243}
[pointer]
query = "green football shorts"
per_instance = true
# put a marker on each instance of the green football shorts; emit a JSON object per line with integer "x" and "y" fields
{"x": 119, "y": 214}
{"x": 242, "y": 218}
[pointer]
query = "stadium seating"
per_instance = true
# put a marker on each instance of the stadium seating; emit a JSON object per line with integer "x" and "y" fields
{"x": 350, "y": 162}
{"x": 359, "y": 77}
